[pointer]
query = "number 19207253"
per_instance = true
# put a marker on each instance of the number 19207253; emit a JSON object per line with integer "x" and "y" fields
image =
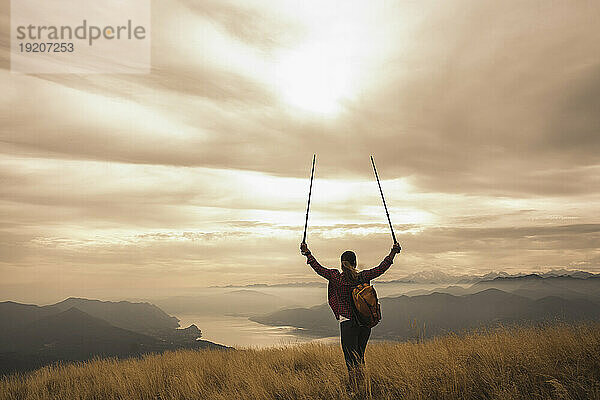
{"x": 51, "y": 47}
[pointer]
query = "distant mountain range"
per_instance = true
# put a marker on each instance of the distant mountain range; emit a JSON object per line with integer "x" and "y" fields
{"x": 79, "y": 329}
{"x": 274, "y": 285}
{"x": 433, "y": 276}
{"x": 437, "y": 276}
{"x": 502, "y": 300}
{"x": 532, "y": 286}
{"x": 244, "y": 302}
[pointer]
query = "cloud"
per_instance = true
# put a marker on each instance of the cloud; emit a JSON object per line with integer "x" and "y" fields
{"x": 510, "y": 113}
{"x": 257, "y": 26}
{"x": 482, "y": 116}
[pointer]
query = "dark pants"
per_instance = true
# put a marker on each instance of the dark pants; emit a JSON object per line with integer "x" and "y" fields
{"x": 354, "y": 343}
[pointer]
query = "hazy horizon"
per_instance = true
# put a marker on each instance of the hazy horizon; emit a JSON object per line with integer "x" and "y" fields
{"x": 287, "y": 293}
{"x": 482, "y": 117}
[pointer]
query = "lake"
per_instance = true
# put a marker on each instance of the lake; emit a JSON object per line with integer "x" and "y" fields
{"x": 241, "y": 332}
{"x": 211, "y": 312}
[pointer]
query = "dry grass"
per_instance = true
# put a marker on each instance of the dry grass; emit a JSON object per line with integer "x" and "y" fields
{"x": 553, "y": 362}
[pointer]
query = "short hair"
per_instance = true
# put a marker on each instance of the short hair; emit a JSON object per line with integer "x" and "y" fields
{"x": 349, "y": 256}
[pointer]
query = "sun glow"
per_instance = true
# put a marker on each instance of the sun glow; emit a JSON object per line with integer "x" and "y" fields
{"x": 315, "y": 79}
{"x": 330, "y": 65}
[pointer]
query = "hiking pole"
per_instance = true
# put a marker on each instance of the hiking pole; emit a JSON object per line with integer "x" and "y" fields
{"x": 312, "y": 174}
{"x": 383, "y": 198}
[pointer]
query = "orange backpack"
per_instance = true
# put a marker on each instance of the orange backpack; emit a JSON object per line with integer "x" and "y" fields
{"x": 365, "y": 304}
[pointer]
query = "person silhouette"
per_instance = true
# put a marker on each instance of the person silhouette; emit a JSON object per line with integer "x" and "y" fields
{"x": 353, "y": 336}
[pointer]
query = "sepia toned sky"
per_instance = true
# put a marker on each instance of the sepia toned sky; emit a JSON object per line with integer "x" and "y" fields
{"x": 483, "y": 117}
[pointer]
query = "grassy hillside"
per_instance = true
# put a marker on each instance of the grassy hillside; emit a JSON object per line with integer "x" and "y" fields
{"x": 552, "y": 362}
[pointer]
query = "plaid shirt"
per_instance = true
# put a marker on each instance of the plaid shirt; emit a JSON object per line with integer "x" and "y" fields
{"x": 339, "y": 290}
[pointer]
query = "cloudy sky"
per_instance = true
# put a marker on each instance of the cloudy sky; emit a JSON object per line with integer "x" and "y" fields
{"x": 483, "y": 117}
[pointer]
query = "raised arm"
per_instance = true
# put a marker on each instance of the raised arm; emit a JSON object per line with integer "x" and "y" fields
{"x": 375, "y": 272}
{"x": 312, "y": 261}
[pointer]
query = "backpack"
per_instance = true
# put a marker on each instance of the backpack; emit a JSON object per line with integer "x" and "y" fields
{"x": 365, "y": 305}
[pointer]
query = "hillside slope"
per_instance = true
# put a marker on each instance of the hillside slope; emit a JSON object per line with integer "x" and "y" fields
{"x": 560, "y": 361}
{"x": 32, "y": 336}
{"x": 143, "y": 318}
{"x": 406, "y": 318}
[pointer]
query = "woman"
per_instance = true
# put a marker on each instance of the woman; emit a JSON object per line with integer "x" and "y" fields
{"x": 353, "y": 336}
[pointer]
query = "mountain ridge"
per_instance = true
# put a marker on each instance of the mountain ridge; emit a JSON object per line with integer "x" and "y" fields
{"x": 47, "y": 334}
{"x": 426, "y": 315}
